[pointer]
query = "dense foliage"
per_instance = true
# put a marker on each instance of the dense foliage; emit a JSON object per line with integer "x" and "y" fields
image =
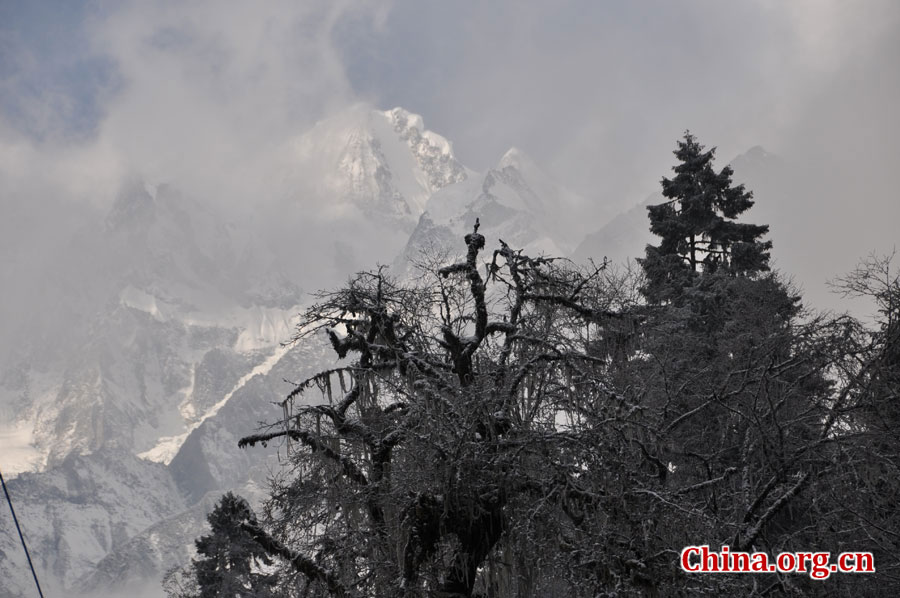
{"x": 510, "y": 425}
{"x": 698, "y": 226}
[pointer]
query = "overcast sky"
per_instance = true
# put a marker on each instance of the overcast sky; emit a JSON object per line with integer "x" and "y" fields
{"x": 206, "y": 93}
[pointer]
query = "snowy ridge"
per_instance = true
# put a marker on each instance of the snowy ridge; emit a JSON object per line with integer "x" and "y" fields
{"x": 168, "y": 446}
{"x": 433, "y": 153}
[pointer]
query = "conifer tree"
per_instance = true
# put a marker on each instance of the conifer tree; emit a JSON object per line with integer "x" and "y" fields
{"x": 229, "y": 559}
{"x": 698, "y": 227}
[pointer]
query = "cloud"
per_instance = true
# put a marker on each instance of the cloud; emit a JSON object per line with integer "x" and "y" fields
{"x": 204, "y": 95}
{"x": 198, "y": 93}
{"x": 208, "y": 94}
{"x": 601, "y": 90}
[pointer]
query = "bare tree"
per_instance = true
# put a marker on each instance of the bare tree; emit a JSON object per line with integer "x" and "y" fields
{"x": 458, "y": 410}
{"x": 866, "y": 419}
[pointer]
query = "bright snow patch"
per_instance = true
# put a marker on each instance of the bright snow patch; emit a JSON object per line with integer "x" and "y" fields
{"x": 166, "y": 449}
{"x": 18, "y": 451}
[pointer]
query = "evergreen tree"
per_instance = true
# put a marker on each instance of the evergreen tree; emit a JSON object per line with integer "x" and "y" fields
{"x": 697, "y": 226}
{"x": 230, "y": 559}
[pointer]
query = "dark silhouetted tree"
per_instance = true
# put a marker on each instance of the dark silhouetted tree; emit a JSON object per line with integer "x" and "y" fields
{"x": 229, "y": 562}
{"x": 449, "y": 441}
{"x": 698, "y": 227}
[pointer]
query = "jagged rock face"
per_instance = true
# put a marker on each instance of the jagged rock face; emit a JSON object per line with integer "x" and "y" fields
{"x": 143, "y": 516}
{"x": 431, "y": 151}
{"x": 161, "y": 308}
{"x": 78, "y": 512}
{"x": 383, "y": 164}
{"x": 162, "y": 290}
{"x": 207, "y": 463}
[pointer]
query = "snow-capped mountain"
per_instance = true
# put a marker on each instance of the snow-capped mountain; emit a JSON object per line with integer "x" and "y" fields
{"x": 164, "y": 309}
{"x": 150, "y": 341}
{"x": 383, "y": 164}
{"x": 165, "y": 288}
{"x": 79, "y": 511}
{"x": 352, "y": 188}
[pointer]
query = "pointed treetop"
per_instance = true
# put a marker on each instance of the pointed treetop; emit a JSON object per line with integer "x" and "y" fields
{"x": 697, "y": 226}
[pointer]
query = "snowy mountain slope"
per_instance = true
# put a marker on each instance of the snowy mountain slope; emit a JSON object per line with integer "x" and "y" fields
{"x": 138, "y": 566}
{"x": 207, "y": 463}
{"x": 149, "y": 292}
{"x": 209, "y": 458}
{"x": 77, "y": 513}
{"x": 156, "y": 527}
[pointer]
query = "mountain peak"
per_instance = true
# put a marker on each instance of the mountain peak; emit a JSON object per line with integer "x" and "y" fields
{"x": 512, "y": 157}
{"x": 757, "y": 151}
{"x": 133, "y": 205}
{"x": 411, "y": 127}
{"x": 756, "y": 156}
{"x": 519, "y": 160}
{"x": 516, "y": 158}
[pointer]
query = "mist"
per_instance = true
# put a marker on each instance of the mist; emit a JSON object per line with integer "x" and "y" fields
{"x": 209, "y": 96}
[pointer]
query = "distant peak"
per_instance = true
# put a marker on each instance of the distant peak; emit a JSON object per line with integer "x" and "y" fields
{"x": 755, "y": 157}
{"x": 518, "y": 159}
{"x": 757, "y": 151}
{"x": 513, "y": 157}
{"x": 511, "y": 154}
{"x": 134, "y": 203}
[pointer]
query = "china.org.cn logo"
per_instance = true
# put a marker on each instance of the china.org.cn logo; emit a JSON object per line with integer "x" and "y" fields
{"x": 818, "y": 565}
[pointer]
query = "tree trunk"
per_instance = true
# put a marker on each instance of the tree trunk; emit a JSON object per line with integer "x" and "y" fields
{"x": 477, "y": 537}
{"x": 693, "y": 254}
